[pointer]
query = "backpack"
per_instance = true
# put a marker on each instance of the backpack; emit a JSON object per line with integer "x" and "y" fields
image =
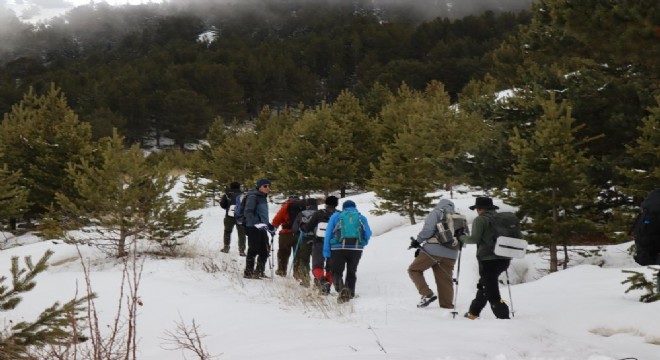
{"x": 322, "y": 225}
{"x": 348, "y": 229}
{"x": 445, "y": 230}
{"x": 239, "y": 213}
{"x": 507, "y": 225}
{"x": 646, "y": 230}
{"x": 306, "y": 216}
{"x": 293, "y": 209}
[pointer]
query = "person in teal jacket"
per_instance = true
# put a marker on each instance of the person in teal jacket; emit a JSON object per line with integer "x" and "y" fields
{"x": 343, "y": 245}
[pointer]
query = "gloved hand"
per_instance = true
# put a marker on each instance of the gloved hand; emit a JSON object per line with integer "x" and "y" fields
{"x": 414, "y": 244}
{"x": 458, "y": 232}
{"x": 261, "y": 226}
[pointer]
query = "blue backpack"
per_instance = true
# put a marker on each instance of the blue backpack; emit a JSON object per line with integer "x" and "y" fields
{"x": 348, "y": 229}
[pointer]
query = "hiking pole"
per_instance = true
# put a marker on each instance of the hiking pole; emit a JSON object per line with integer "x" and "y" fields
{"x": 458, "y": 274}
{"x": 508, "y": 284}
{"x": 295, "y": 251}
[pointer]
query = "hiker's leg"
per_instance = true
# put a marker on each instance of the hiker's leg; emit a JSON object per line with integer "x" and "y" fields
{"x": 352, "y": 261}
{"x": 416, "y": 270}
{"x": 444, "y": 281}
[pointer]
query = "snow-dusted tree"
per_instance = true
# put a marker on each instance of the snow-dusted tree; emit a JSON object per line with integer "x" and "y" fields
{"x": 58, "y": 324}
{"x": 549, "y": 181}
{"x": 123, "y": 198}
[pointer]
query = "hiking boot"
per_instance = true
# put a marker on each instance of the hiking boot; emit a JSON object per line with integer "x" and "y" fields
{"x": 426, "y": 300}
{"x": 249, "y": 275}
{"x": 323, "y": 285}
{"x": 470, "y": 316}
{"x": 262, "y": 275}
{"x": 225, "y": 249}
{"x": 281, "y": 273}
{"x": 344, "y": 296}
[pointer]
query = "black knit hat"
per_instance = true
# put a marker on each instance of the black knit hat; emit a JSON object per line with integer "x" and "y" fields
{"x": 332, "y": 201}
{"x": 234, "y": 186}
{"x": 484, "y": 203}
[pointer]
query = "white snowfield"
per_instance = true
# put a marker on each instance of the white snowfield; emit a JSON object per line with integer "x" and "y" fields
{"x": 581, "y": 313}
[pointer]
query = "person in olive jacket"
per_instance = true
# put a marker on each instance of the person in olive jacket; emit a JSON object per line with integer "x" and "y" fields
{"x": 490, "y": 265}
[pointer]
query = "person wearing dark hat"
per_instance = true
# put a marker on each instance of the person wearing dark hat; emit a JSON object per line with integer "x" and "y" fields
{"x": 321, "y": 271}
{"x": 347, "y": 234}
{"x": 228, "y": 202}
{"x": 256, "y": 221}
{"x": 490, "y": 265}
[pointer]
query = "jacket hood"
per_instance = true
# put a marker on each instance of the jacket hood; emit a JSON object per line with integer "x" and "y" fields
{"x": 446, "y": 205}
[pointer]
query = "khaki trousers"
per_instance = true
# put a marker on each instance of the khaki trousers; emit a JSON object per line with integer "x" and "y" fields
{"x": 442, "y": 271}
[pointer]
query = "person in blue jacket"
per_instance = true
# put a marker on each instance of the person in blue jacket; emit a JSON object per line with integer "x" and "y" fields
{"x": 343, "y": 245}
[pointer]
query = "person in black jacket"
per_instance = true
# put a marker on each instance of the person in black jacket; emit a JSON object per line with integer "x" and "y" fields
{"x": 228, "y": 202}
{"x": 320, "y": 265}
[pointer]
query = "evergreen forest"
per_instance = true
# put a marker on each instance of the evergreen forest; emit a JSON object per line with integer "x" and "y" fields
{"x": 554, "y": 107}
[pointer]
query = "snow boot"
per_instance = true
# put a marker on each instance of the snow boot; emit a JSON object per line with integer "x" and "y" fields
{"x": 470, "y": 316}
{"x": 426, "y": 300}
{"x": 344, "y": 296}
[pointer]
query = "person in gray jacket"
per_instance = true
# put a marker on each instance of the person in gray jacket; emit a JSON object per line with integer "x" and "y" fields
{"x": 431, "y": 254}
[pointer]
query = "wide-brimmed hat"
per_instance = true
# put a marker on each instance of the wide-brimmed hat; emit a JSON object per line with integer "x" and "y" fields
{"x": 483, "y": 203}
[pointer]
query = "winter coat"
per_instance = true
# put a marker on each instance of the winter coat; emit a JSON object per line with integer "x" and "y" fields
{"x": 482, "y": 234}
{"x": 330, "y": 243}
{"x": 437, "y": 215}
{"x": 282, "y": 218}
{"x": 256, "y": 208}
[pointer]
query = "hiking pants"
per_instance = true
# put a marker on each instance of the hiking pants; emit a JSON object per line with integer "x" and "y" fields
{"x": 301, "y": 261}
{"x": 349, "y": 259}
{"x": 442, "y": 271}
{"x": 320, "y": 266}
{"x": 287, "y": 242}
{"x": 230, "y": 222}
{"x": 258, "y": 249}
{"x": 488, "y": 288}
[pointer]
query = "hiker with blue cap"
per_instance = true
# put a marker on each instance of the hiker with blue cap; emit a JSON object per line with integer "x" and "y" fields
{"x": 257, "y": 227}
{"x": 343, "y": 246}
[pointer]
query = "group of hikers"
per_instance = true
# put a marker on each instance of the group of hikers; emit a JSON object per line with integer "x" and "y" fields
{"x": 333, "y": 240}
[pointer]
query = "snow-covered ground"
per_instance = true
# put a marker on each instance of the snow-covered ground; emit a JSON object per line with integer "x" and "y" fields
{"x": 582, "y": 313}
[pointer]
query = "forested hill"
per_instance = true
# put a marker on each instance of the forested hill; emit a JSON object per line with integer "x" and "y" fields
{"x": 146, "y": 68}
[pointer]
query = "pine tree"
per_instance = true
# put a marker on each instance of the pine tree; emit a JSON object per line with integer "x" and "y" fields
{"x": 194, "y": 191}
{"x": 644, "y": 174}
{"x": 423, "y": 155}
{"x": 549, "y": 181}
{"x": 638, "y": 281}
{"x": 56, "y": 325}
{"x": 123, "y": 199}
{"x": 39, "y": 137}
{"x": 314, "y": 156}
{"x": 13, "y": 201}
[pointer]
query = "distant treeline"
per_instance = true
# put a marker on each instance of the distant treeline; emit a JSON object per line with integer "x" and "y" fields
{"x": 145, "y": 70}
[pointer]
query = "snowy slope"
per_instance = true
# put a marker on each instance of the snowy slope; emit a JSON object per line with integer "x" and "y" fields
{"x": 580, "y": 313}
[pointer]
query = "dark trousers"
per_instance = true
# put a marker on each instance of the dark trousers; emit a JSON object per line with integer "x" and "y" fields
{"x": 488, "y": 288}
{"x": 320, "y": 266}
{"x": 303, "y": 253}
{"x": 258, "y": 248}
{"x": 348, "y": 259}
{"x": 230, "y": 222}
{"x": 287, "y": 242}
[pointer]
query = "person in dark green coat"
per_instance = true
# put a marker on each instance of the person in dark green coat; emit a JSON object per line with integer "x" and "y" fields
{"x": 490, "y": 265}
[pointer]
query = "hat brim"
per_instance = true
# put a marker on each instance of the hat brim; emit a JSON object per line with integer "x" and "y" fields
{"x": 487, "y": 207}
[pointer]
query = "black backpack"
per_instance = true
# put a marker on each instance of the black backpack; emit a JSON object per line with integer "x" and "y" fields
{"x": 504, "y": 224}
{"x": 293, "y": 209}
{"x": 646, "y": 230}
